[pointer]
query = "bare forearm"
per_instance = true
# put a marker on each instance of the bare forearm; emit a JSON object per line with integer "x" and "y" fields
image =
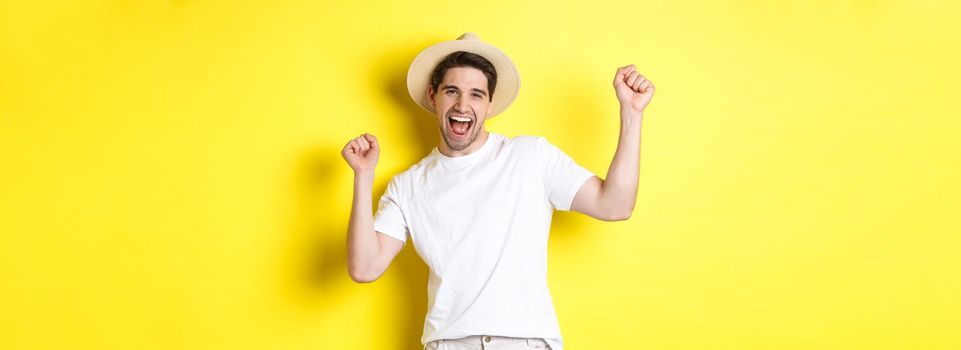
{"x": 614, "y": 198}
{"x": 619, "y": 192}
{"x": 362, "y": 243}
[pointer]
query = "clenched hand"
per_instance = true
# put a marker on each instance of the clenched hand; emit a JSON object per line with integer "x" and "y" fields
{"x": 361, "y": 153}
{"x": 633, "y": 90}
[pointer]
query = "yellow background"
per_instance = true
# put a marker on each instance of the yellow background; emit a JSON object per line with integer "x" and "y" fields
{"x": 170, "y": 175}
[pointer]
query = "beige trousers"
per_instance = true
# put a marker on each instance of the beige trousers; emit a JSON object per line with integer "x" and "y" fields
{"x": 488, "y": 342}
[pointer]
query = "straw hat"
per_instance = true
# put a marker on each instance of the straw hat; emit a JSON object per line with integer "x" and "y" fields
{"x": 508, "y": 80}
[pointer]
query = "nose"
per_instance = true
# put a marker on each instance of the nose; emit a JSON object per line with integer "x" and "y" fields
{"x": 462, "y": 105}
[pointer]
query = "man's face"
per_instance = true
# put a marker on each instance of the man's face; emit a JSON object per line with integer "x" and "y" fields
{"x": 462, "y": 103}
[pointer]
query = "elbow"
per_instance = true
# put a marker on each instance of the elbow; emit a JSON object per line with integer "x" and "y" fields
{"x": 615, "y": 209}
{"x": 620, "y": 214}
{"x": 361, "y": 275}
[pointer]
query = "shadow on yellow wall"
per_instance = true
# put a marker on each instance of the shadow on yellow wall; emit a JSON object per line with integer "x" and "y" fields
{"x": 319, "y": 240}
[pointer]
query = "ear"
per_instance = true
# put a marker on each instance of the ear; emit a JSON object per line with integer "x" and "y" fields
{"x": 430, "y": 96}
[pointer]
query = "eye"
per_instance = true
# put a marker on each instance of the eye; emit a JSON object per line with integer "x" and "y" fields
{"x": 478, "y": 95}
{"x": 450, "y": 91}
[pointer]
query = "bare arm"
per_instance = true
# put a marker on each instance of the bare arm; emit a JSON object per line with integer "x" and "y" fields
{"x": 614, "y": 199}
{"x": 369, "y": 253}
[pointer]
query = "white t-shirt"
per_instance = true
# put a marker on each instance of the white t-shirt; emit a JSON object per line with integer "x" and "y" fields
{"x": 481, "y": 222}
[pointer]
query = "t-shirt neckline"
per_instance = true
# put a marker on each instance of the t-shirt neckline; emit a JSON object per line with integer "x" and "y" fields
{"x": 469, "y": 158}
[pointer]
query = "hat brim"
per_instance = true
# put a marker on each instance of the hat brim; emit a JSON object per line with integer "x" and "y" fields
{"x": 508, "y": 80}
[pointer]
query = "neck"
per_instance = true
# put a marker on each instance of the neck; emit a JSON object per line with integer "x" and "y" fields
{"x": 473, "y": 147}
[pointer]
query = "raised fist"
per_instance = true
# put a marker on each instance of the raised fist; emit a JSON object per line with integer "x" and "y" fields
{"x": 633, "y": 90}
{"x": 361, "y": 153}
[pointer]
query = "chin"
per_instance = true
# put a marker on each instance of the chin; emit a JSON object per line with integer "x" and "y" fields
{"x": 462, "y": 145}
{"x": 457, "y": 146}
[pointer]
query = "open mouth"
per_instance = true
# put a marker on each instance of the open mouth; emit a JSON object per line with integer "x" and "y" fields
{"x": 460, "y": 125}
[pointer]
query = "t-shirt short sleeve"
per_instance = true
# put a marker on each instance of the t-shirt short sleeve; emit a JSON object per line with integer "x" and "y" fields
{"x": 389, "y": 219}
{"x": 563, "y": 177}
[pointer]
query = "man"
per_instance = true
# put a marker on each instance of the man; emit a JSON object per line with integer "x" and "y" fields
{"x": 478, "y": 207}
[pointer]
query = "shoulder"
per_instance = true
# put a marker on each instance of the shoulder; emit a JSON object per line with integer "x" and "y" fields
{"x": 526, "y": 139}
{"x": 536, "y": 146}
{"x": 405, "y": 179}
{"x": 532, "y": 146}
{"x": 529, "y": 143}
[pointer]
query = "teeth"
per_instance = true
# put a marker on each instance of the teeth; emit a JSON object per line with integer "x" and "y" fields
{"x": 460, "y": 119}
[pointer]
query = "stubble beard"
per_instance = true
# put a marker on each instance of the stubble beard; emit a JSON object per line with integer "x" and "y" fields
{"x": 464, "y": 144}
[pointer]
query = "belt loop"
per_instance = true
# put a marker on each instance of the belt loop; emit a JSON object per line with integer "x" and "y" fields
{"x": 529, "y": 340}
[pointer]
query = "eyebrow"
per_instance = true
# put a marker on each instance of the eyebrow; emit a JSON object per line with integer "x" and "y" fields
{"x": 445, "y": 87}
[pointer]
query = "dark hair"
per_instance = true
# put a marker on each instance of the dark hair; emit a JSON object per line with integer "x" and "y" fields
{"x": 465, "y": 59}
